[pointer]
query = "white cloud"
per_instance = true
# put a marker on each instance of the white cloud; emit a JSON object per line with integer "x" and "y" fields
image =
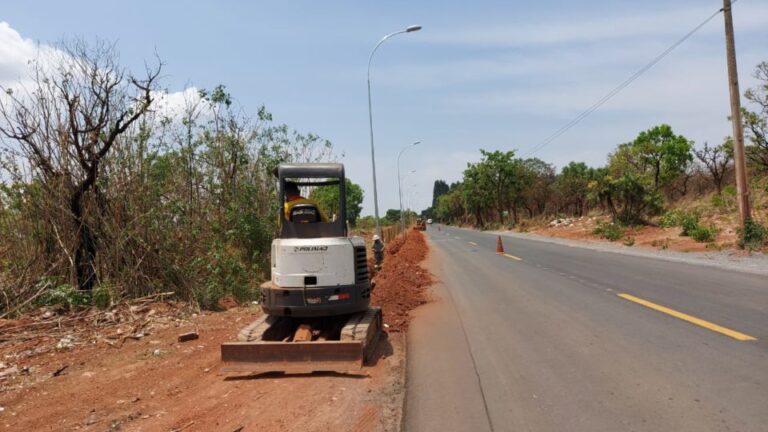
{"x": 16, "y": 53}
{"x": 174, "y": 104}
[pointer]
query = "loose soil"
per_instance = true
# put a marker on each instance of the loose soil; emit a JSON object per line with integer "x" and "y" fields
{"x": 126, "y": 371}
{"x": 402, "y": 283}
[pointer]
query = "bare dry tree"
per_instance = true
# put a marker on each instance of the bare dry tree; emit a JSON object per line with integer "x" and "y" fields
{"x": 716, "y": 159}
{"x": 80, "y": 102}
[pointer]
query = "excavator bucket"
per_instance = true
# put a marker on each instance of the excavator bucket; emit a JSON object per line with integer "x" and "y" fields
{"x": 284, "y": 344}
{"x": 292, "y": 357}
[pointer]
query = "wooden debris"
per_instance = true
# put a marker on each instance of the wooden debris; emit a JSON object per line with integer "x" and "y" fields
{"x": 58, "y": 371}
{"x": 184, "y": 337}
{"x": 303, "y": 333}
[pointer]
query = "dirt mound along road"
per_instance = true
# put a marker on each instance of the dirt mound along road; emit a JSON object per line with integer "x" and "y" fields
{"x": 402, "y": 283}
{"x": 132, "y": 374}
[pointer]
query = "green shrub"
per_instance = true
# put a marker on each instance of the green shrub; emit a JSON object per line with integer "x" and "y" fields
{"x": 753, "y": 235}
{"x": 704, "y": 234}
{"x": 611, "y": 231}
{"x": 730, "y": 190}
{"x": 692, "y": 228}
{"x": 102, "y": 296}
{"x": 670, "y": 219}
{"x": 718, "y": 201}
{"x": 223, "y": 274}
{"x": 689, "y": 222}
{"x": 57, "y": 293}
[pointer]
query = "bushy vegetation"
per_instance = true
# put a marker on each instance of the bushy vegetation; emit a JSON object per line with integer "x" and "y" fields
{"x": 753, "y": 236}
{"x": 610, "y": 231}
{"x": 106, "y": 194}
{"x": 689, "y": 222}
{"x": 704, "y": 234}
{"x": 502, "y": 187}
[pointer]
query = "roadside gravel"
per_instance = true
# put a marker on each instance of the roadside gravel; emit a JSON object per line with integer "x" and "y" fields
{"x": 756, "y": 263}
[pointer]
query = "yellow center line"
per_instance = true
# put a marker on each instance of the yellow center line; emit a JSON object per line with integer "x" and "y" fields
{"x": 691, "y": 319}
{"x": 472, "y": 243}
{"x": 513, "y": 257}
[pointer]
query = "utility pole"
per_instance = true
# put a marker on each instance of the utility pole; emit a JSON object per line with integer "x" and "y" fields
{"x": 742, "y": 187}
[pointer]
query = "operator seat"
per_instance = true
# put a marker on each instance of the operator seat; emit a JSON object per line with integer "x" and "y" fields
{"x": 305, "y": 213}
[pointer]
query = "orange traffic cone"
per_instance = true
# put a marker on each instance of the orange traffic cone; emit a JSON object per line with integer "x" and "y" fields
{"x": 499, "y": 246}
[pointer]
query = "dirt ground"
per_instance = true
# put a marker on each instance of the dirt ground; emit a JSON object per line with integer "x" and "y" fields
{"x": 131, "y": 373}
{"x": 406, "y": 281}
{"x": 646, "y": 236}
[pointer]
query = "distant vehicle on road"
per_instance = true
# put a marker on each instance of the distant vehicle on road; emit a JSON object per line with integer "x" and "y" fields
{"x": 429, "y": 221}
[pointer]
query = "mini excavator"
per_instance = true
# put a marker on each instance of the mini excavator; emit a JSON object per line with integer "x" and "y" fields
{"x": 317, "y": 314}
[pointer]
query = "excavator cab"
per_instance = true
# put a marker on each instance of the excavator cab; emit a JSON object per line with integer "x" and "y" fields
{"x": 316, "y": 313}
{"x": 304, "y": 218}
{"x": 317, "y": 269}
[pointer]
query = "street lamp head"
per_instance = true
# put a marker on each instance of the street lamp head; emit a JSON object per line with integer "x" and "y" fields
{"x": 413, "y": 28}
{"x": 416, "y": 143}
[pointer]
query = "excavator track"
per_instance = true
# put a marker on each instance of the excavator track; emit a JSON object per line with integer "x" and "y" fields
{"x": 272, "y": 344}
{"x": 364, "y": 327}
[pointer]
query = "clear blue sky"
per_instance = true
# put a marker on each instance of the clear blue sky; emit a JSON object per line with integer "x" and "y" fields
{"x": 493, "y": 75}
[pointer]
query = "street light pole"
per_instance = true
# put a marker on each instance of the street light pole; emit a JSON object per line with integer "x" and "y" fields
{"x": 399, "y": 184}
{"x": 400, "y": 193}
{"x": 408, "y": 29}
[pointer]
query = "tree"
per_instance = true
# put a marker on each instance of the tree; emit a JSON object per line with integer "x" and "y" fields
{"x": 354, "y": 202}
{"x": 756, "y": 123}
{"x": 440, "y": 188}
{"x": 716, "y": 160}
{"x": 629, "y": 186}
{"x": 537, "y": 178}
{"x": 475, "y": 194}
{"x": 392, "y": 216}
{"x": 80, "y": 105}
{"x": 499, "y": 173}
{"x": 450, "y": 207}
{"x": 628, "y": 197}
{"x": 661, "y": 154}
{"x": 573, "y": 186}
{"x": 328, "y": 199}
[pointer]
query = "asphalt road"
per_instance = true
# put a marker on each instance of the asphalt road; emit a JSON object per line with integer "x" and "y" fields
{"x": 558, "y": 338}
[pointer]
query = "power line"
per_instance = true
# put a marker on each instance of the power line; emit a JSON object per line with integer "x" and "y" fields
{"x": 617, "y": 89}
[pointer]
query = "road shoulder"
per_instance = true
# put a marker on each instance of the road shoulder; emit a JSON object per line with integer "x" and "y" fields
{"x": 436, "y": 349}
{"x": 757, "y": 263}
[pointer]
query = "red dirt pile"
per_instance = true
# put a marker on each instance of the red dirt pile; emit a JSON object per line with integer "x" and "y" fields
{"x": 402, "y": 283}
